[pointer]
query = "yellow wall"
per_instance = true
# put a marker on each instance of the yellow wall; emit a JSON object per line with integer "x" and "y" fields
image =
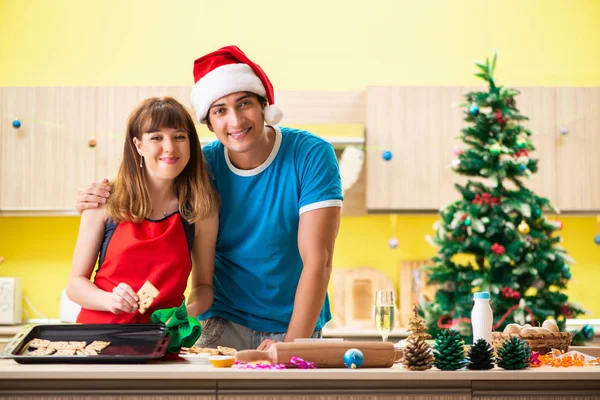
{"x": 313, "y": 44}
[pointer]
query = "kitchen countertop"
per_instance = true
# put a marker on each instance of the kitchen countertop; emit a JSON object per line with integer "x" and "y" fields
{"x": 182, "y": 379}
{"x": 9, "y": 369}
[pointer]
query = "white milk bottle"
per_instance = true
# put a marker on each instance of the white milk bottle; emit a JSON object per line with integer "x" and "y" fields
{"x": 481, "y": 317}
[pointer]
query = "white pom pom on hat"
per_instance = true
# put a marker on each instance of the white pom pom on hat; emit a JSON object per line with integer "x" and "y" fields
{"x": 227, "y": 71}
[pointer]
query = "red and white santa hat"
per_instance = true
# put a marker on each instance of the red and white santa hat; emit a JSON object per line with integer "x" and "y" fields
{"x": 227, "y": 71}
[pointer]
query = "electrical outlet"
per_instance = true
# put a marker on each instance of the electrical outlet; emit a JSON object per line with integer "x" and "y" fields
{"x": 11, "y": 301}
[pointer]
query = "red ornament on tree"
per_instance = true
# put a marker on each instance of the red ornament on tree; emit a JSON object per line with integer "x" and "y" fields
{"x": 498, "y": 249}
{"x": 565, "y": 310}
{"x": 509, "y": 293}
{"x": 499, "y": 117}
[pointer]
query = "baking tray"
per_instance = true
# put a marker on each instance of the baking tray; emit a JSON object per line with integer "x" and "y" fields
{"x": 130, "y": 343}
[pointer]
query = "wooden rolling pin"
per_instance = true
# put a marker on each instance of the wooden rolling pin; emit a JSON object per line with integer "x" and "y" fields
{"x": 324, "y": 355}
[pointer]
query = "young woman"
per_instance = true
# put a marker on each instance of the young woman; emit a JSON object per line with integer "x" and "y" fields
{"x": 159, "y": 225}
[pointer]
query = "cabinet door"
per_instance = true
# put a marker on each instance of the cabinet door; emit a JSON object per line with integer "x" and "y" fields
{"x": 47, "y": 159}
{"x": 577, "y": 161}
{"x": 539, "y": 105}
{"x": 418, "y": 125}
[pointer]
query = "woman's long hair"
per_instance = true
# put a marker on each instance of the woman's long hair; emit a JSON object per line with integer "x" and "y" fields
{"x": 129, "y": 199}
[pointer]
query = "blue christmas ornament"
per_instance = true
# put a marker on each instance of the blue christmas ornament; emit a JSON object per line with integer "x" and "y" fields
{"x": 16, "y": 123}
{"x": 597, "y": 239}
{"x": 353, "y": 358}
{"x": 522, "y": 167}
{"x": 474, "y": 109}
{"x": 588, "y": 331}
{"x": 387, "y": 155}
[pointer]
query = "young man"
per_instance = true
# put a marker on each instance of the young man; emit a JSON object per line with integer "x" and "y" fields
{"x": 281, "y": 198}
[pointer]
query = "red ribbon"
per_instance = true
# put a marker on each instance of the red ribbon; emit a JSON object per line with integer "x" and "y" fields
{"x": 453, "y": 321}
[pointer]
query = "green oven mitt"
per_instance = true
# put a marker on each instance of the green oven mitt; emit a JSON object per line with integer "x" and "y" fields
{"x": 183, "y": 329}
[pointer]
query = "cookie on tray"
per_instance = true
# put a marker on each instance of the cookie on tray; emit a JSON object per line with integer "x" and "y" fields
{"x": 97, "y": 345}
{"x": 39, "y": 343}
{"x": 76, "y": 345}
{"x": 58, "y": 345}
{"x": 42, "y": 352}
{"x": 65, "y": 352}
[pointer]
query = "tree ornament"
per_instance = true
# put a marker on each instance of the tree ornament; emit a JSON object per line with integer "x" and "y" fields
{"x": 538, "y": 284}
{"x": 529, "y": 241}
{"x": 458, "y": 151}
{"x": 509, "y": 293}
{"x": 566, "y": 270}
{"x": 455, "y": 163}
{"x": 523, "y": 228}
{"x": 416, "y": 326}
{"x": 450, "y": 286}
{"x": 468, "y": 222}
{"x": 393, "y": 243}
{"x": 559, "y": 224}
{"x": 513, "y": 354}
{"x": 387, "y": 155}
{"x": 536, "y": 212}
{"x": 474, "y": 109}
{"x": 521, "y": 143}
{"x": 480, "y": 356}
{"x": 16, "y": 123}
{"x": 448, "y": 352}
{"x": 353, "y": 358}
{"x": 495, "y": 149}
{"x": 499, "y": 117}
{"x": 597, "y": 239}
{"x": 522, "y": 167}
{"x": 498, "y": 249}
{"x": 510, "y": 102}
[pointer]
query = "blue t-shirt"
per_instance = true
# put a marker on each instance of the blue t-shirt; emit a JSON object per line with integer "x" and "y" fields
{"x": 257, "y": 263}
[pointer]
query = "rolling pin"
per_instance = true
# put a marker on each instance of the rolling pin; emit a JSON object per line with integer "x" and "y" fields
{"x": 324, "y": 355}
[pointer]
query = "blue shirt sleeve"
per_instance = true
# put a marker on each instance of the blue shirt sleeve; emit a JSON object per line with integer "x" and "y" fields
{"x": 320, "y": 182}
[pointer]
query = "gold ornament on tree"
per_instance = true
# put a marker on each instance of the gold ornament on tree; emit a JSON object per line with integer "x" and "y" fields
{"x": 417, "y": 353}
{"x": 523, "y": 228}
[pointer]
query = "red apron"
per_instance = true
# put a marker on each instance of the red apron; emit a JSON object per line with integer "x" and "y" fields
{"x": 156, "y": 251}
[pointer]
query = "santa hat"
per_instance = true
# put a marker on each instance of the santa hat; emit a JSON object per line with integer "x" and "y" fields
{"x": 227, "y": 71}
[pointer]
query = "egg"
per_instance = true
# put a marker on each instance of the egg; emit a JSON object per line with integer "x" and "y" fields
{"x": 544, "y": 331}
{"x": 528, "y": 331}
{"x": 512, "y": 328}
{"x": 550, "y": 324}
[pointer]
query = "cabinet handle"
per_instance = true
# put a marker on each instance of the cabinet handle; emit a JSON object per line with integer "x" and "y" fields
{"x": 564, "y": 131}
{"x": 92, "y": 143}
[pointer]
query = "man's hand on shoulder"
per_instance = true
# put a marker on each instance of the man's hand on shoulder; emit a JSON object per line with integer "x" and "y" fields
{"x": 93, "y": 195}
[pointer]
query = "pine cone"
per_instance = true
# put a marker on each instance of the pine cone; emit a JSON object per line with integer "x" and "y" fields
{"x": 513, "y": 353}
{"x": 481, "y": 356}
{"x": 449, "y": 351}
{"x": 417, "y": 355}
{"x": 510, "y": 101}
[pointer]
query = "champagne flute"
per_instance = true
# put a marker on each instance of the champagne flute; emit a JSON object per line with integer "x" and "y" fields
{"x": 384, "y": 312}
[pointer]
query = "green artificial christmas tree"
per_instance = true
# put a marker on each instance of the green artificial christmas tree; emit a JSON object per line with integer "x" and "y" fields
{"x": 498, "y": 227}
{"x": 448, "y": 352}
{"x": 480, "y": 356}
{"x": 513, "y": 353}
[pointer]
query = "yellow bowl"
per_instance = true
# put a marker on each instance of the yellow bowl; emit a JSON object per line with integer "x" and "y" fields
{"x": 221, "y": 361}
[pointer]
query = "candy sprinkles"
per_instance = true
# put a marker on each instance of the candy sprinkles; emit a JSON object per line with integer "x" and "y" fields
{"x": 296, "y": 361}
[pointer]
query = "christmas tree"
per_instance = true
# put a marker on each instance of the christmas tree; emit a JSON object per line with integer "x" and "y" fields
{"x": 512, "y": 249}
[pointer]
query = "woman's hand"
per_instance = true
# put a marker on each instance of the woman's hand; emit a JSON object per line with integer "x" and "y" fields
{"x": 122, "y": 299}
